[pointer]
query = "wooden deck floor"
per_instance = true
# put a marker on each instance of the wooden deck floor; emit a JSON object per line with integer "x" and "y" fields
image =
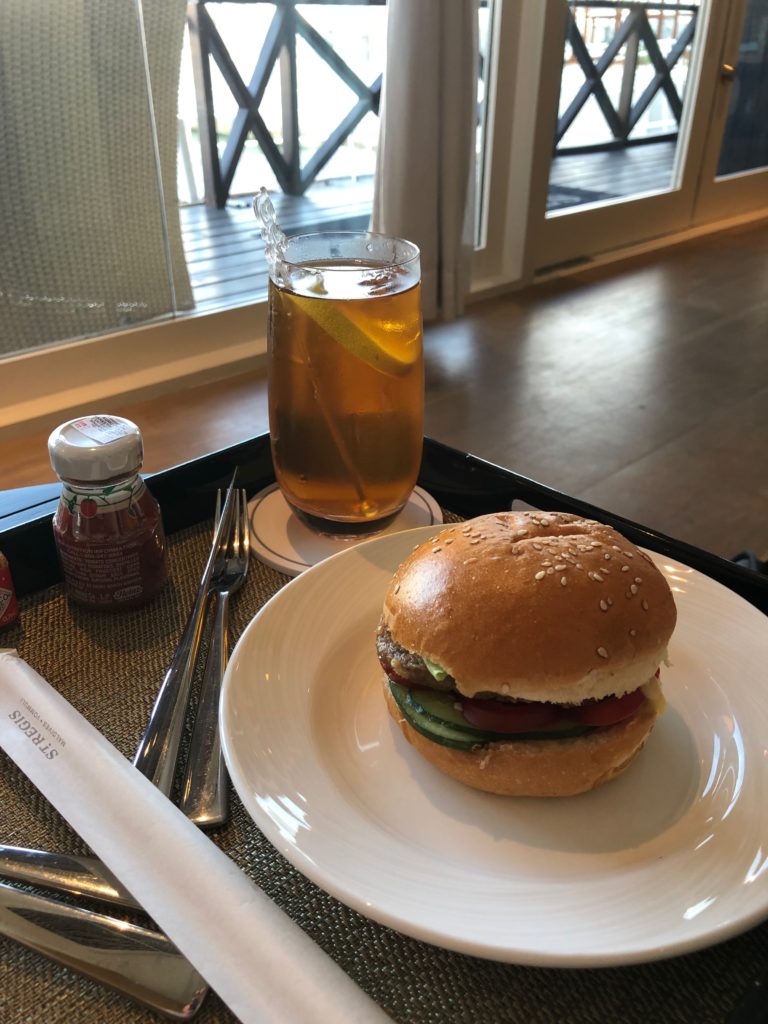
{"x": 224, "y": 249}
{"x": 225, "y": 253}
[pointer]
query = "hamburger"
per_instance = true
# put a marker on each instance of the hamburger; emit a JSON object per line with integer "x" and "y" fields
{"x": 522, "y": 652}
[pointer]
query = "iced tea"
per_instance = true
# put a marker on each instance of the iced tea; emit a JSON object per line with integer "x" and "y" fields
{"x": 346, "y": 380}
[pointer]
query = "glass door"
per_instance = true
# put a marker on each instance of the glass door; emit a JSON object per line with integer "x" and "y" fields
{"x": 625, "y": 91}
{"x": 734, "y": 176}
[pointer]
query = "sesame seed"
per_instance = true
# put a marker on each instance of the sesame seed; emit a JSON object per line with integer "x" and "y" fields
{"x": 536, "y": 547}
{"x": 476, "y": 540}
{"x": 638, "y": 579}
{"x": 469, "y": 561}
{"x": 645, "y": 606}
{"x": 603, "y": 606}
{"x": 397, "y": 589}
{"x": 546, "y": 563}
{"x": 550, "y": 571}
{"x": 597, "y": 576}
{"x": 521, "y": 533}
{"x": 563, "y": 581}
{"x": 579, "y": 565}
{"x": 435, "y": 550}
{"x": 633, "y": 588}
{"x": 559, "y": 567}
{"x": 449, "y": 540}
{"x": 606, "y": 556}
{"x": 633, "y": 632}
{"x": 602, "y": 652}
{"x": 629, "y": 554}
{"x": 540, "y": 575}
{"x": 610, "y": 601}
{"x": 625, "y": 568}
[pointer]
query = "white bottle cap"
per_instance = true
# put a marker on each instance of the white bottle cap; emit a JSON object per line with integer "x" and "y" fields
{"x": 96, "y": 447}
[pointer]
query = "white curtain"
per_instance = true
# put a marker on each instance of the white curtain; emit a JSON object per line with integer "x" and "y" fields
{"x": 424, "y": 187}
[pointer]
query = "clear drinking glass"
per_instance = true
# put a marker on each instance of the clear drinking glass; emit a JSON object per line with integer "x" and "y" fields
{"x": 346, "y": 377}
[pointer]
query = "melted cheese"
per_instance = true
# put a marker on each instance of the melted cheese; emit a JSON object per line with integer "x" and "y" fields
{"x": 652, "y": 692}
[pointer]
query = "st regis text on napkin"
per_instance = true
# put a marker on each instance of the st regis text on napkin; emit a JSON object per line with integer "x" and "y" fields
{"x": 264, "y": 967}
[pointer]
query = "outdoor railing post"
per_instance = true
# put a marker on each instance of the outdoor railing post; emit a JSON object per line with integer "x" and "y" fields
{"x": 201, "y": 70}
{"x": 624, "y": 108}
{"x": 289, "y": 101}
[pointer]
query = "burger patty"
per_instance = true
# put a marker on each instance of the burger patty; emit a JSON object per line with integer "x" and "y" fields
{"x": 406, "y": 665}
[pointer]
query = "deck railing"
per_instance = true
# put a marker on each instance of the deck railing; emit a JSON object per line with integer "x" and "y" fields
{"x": 278, "y": 48}
{"x": 631, "y": 27}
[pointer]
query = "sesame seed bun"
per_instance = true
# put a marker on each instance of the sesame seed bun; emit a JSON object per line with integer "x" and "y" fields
{"x": 533, "y": 606}
{"x": 543, "y": 768}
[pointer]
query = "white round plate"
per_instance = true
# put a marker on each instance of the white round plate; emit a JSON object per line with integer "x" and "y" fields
{"x": 282, "y": 541}
{"x": 668, "y": 858}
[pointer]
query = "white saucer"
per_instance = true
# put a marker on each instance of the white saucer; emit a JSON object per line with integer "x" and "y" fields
{"x": 282, "y": 541}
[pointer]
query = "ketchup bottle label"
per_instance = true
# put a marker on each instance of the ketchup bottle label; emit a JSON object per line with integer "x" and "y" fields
{"x": 9, "y": 608}
{"x": 111, "y": 543}
{"x": 95, "y": 501}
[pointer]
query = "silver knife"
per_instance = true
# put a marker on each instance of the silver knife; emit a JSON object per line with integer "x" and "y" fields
{"x": 79, "y": 876}
{"x": 142, "y": 964}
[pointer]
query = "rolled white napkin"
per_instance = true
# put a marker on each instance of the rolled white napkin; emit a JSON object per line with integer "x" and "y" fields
{"x": 264, "y": 967}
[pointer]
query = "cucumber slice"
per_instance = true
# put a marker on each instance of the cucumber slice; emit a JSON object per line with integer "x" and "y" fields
{"x": 440, "y": 706}
{"x": 435, "y": 716}
{"x": 433, "y": 728}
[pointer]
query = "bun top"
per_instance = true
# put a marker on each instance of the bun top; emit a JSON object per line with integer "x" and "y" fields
{"x": 533, "y": 605}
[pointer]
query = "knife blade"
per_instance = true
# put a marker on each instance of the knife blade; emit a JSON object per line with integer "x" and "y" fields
{"x": 78, "y": 876}
{"x": 140, "y": 963}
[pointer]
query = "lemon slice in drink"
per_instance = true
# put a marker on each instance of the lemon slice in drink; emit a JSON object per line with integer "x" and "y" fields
{"x": 369, "y": 340}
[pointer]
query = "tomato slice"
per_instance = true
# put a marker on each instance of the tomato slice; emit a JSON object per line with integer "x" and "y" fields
{"x": 502, "y": 716}
{"x": 386, "y": 664}
{"x": 607, "y": 711}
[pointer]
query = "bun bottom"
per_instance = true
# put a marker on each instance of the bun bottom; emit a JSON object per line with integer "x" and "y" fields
{"x": 537, "y": 767}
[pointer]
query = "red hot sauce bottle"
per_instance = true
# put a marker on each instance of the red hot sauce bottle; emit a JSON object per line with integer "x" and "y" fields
{"x": 108, "y": 528}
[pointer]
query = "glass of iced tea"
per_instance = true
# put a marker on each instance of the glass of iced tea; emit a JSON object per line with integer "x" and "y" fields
{"x": 346, "y": 377}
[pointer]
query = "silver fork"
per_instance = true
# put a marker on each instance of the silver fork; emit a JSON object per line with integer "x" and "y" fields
{"x": 205, "y": 797}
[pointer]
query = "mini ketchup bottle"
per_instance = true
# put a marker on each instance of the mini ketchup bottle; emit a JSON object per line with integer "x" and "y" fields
{"x": 108, "y": 528}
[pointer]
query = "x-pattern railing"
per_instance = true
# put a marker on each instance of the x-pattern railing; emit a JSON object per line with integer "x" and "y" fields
{"x": 633, "y": 29}
{"x": 279, "y": 45}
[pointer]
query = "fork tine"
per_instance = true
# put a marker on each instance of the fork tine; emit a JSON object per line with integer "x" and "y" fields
{"x": 245, "y": 529}
{"x": 236, "y": 525}
{"x": 217, "y": 514}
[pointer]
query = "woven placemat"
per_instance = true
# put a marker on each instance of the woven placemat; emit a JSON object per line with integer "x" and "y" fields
{"x": 109, "y": 668}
